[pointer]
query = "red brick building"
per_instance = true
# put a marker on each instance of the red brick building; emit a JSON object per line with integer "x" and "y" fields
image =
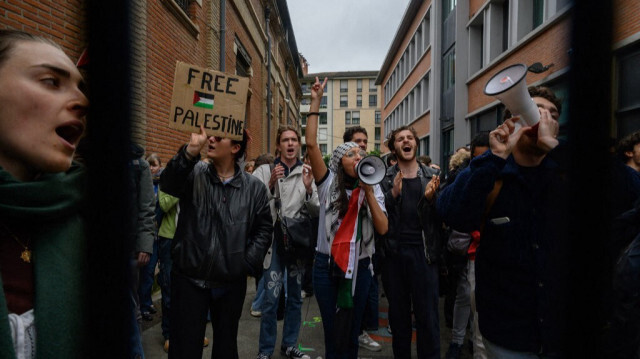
{"x": 255, "y": 38}
{"x": 444, "y": 52}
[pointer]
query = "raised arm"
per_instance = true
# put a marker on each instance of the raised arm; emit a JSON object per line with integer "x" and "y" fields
{"x": 174, "y": 176}
{"x": 319, "y": 168}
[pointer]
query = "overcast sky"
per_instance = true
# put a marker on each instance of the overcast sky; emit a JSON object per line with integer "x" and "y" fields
{"x": 345, "y": 35}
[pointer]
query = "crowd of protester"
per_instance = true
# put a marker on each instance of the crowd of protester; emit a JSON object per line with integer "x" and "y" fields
{"x": 491, "y": 238}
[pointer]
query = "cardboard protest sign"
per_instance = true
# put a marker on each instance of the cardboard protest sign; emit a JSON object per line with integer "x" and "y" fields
{"x": 213, "y": 99}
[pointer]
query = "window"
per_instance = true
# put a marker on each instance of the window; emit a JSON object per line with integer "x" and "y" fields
{"x": 303, "y": 131}
{"x": 486, "y": 121}
{"x": 343, "y": 101}
{"x": 184, "y": 5}
{"x": 359, "y": 86}
{"x": 372, "y": 86}
{"x": 359, "y": 101}
{"x": 419, "y": 43}
{"x": 303, "y": 121}
{"x": 377, "y": 131}
{"x": 628, "y": 87}
{"x": 447, "y": 148}
{"x": 538, "y": 14}
{"x": 344, "y": 85}
{"x": 323, "y": 118}
{"x": 426, "y": 29}
{"x": 376, "y": 147}
{"x": 352, "y": 118}
{"x": 447, "y": 7}
{"x": 505, "y": 26}
{"x": 373, "y": 100}
{"x": 377, "y": 117}
{"x": 323, "y": 148}
{"x": 355, "y": 118}
{"x": 323, "y": 102}
{"x": 449, "y": 70}
{"x": 476, "y": 43}
{"x": 306, "y": 87}
{"x": 322, "y": 134}
{"x": 243, "y": 60}
{"x": 305, "y": 101}
{"x": 423, "y": 146}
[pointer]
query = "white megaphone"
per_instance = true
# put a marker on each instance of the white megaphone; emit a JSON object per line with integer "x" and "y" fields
{"x": 510, "y": 87}
{"x": 371, "y": 170}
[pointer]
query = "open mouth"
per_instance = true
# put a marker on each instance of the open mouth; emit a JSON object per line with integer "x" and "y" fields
{"x": 291, "y": 151}
{"x": 406, "y": 149}
{"x": 71, "y": 133}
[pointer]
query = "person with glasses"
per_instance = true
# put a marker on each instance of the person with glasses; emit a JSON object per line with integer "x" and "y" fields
{"x": 223, "y": 233}
{"x": 351, "y": 214}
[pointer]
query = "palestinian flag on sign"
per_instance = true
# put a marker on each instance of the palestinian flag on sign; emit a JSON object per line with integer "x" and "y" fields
{"x": 201, "y": 99}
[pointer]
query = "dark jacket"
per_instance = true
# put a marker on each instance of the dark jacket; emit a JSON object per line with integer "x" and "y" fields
{"x": 224, "y": 230}
{"x": 141, "y": 202}
{"x": 431, "y": 223}
{"x": 521, "y": 261}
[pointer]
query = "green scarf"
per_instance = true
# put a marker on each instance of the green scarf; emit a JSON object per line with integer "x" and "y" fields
{"x": 50, "y": 207}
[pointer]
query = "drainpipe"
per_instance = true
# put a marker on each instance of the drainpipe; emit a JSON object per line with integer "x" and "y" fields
{"x": 267, "y": 11}
{"x": 223, "y": 30}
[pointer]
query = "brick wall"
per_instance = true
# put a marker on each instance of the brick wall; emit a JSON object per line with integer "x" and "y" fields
{"x": 256, "y": 107}
{"x": 62, "y": 21}
{"x": 626, "y": 19}
{"x": 169, "y": 40}
{"x": 474, "y": 6}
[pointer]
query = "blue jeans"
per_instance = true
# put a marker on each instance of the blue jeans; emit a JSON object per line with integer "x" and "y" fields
{"x": 325, "y": 288}
{"x": 135, "y": 332}
{"x": 256, "y": 305}
{"x": 370, "y": 318}
{"x": 164, "y": 280}
{"x": 273, "y": 289}
{"x": 146, "y": 280}
{"x": 497, "y": 352}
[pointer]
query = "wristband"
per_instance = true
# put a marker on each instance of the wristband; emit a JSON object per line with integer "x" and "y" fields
{"x": 313, "y": 113}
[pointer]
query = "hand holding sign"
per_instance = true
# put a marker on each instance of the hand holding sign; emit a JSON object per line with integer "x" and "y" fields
{"x": 197, "y": 142}
{"x": 204, "y": 98}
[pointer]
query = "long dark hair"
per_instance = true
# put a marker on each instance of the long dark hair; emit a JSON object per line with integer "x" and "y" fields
{"x": 343, "y": 181}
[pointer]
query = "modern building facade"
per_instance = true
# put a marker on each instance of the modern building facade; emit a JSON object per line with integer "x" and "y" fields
{"x": 445, "y": 51}
{"x": 350, "y": 99}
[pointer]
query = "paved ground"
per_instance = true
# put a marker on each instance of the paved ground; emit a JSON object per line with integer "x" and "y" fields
{"x": 311, "y": 338}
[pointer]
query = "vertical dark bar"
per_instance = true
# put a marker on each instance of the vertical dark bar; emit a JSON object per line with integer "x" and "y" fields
{"x": 108, "y": 137}
{"x": 589, "y": 126}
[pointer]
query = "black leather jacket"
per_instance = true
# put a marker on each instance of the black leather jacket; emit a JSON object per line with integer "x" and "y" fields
{"x": 224, "y": 230}
{"x": 429, "y": 219}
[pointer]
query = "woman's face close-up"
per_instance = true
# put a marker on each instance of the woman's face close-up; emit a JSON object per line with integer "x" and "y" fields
{"x": 351, "y": 159}
{"x": 42, "y": 109}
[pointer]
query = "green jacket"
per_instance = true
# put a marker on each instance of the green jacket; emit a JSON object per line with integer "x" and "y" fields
{"x": 169, "y": 205}
{"x": 50, "y": 206}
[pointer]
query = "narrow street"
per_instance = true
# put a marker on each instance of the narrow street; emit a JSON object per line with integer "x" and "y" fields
{"x": 311, "y": 339}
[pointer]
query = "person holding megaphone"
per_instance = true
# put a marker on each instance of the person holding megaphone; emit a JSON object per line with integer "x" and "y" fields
{"x": 350, "y": 213}
{"x": 515, "y": 196}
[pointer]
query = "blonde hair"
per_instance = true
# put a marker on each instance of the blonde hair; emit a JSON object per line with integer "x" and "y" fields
{"x": 458, "y": 158}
